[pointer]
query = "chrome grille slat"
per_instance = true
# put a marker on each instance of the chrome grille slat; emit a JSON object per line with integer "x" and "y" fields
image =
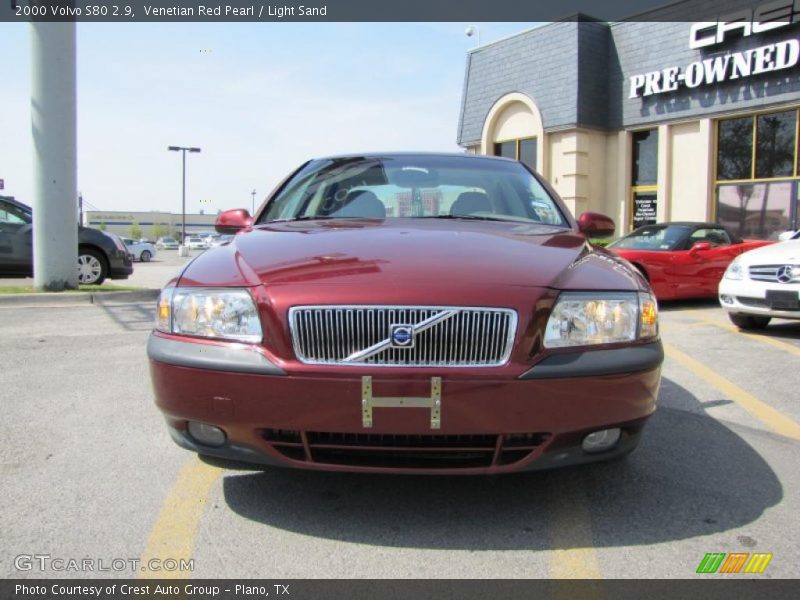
{"x": 452, "y": 337}
{"x": 764, "y": 272}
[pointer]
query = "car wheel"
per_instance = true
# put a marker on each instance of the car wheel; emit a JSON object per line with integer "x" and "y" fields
{"x": 92, "y": 267}
{"x": 145, "y": 256}
{"x": 749, "y": 321}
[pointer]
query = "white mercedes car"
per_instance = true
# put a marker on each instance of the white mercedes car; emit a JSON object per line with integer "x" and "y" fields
{"x": 762, "y": 284}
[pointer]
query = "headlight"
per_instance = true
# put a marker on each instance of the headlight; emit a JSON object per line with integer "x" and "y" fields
{"x": 589, "y": 318}
{"x": 734, "y": 270}
{"x": 213, "y": 313}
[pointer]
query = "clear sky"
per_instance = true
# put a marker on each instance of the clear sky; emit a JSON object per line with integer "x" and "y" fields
{"x": 258, "y": 98}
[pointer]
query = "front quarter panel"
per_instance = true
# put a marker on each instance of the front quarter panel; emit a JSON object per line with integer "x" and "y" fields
{"x": 223, "y": 266}
{"x": 600, "y": 270}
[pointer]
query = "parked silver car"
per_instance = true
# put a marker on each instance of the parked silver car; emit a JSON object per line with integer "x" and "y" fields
{"x": 167, "y": 243}
{"x": 142, "y": 251}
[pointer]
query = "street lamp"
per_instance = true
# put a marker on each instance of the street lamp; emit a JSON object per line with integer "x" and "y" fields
{"x": 253, "y": 194}
{"x": 472, "y": 30}
{"x": 183, "y": 151}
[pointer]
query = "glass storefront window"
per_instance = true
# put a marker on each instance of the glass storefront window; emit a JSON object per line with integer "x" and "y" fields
{"x": 645, "y": 157}
{"x": 506, "y": 149}
{"x": 775, "y": 135}
{"x": 527, "y": 152}
{"x": 735, "y": 149}
{"x": 756, "y": 210}
{"x": 523, "y": 150}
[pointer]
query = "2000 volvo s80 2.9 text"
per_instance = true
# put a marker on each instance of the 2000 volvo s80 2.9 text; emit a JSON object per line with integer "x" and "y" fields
{"x": 408, "y": 313}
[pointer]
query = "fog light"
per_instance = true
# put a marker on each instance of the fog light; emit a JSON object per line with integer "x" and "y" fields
{"x": 726, "y": 299}
{"x": 206, "y": 434}
{"x": 601, "y": 440}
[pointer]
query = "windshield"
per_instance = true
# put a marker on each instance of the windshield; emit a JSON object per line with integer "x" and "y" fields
{"x": 653, "y": 237}
{"x": 414, "y": 187}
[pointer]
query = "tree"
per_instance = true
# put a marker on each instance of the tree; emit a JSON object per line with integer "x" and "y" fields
{"x": 160, "y": 230}
{"x": 103, "y": 227}
{"x": 135, "y": 231}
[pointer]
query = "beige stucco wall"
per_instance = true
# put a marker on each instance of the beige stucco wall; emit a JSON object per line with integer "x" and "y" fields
{"x": 583, "y": 166}
{"x": 690, "y": 180}
{"x": 586, "y": 167}
{"x": 514, "y": 116}
{"x": 513, "y": 122}
{"x": 618, "y": 148}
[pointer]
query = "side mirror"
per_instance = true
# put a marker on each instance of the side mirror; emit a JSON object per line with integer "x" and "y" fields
{"x": 700, "y": 247}
{"x": 233, "y": 221}
{"x": 593, "y": 224}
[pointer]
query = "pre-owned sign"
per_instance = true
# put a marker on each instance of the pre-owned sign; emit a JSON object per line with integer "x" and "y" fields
{"x": 736, "y": 65}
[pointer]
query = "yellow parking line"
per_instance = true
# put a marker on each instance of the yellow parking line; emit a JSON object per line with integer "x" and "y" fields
{"x": 771, "y": 417}
{"x": 173, "y": 533}
{"x": 573, "y": 555}
{"x": 759, "y": 337}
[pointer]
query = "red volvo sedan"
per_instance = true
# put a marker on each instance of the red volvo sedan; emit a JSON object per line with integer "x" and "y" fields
{"x": 408, "y": 313}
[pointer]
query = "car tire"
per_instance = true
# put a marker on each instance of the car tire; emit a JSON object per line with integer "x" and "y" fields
{"x": 92, "y": 267}
{"x": 749, "y": 322}
{"x": 145, "y": 256}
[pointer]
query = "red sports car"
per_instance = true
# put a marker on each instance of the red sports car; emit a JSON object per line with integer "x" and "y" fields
{"x": 408, "y": 313}
{"x": 683, "y": 259}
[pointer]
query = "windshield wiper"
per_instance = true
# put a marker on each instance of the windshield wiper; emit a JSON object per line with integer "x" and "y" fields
{"x": 474, "y": 218}
{"x": 314, "y": 218}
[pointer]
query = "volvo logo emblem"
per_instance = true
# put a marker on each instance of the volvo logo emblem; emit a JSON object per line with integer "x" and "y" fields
{"x": 402, "y": 336}
{"x": 785, "y": 274}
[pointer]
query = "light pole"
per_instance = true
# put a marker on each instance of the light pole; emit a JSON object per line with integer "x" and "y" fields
{"x": 183, "y": 150}
{"x": 253, "y": 194}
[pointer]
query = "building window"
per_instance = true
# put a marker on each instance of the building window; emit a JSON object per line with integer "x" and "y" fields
{"x": 645, "y": 157}
{"x": 735, "y": 149}
{"x": 644, "y": 177}
{"x": 775, "y": 146}
{"x": 757, "y": 176}
{"x": 757, "y": 210}
{"x": 523, "y": 150}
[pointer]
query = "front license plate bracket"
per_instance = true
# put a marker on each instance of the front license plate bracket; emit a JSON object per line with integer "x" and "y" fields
{"x": 783, "y": 299}
{"x": 369, "y": 402}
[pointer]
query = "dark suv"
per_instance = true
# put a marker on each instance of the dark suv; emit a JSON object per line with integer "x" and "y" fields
{"x": 100, "y": 255}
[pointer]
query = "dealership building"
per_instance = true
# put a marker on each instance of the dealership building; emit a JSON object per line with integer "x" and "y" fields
{"x": 151, "y": 224}
{"x": 648, "y": 121}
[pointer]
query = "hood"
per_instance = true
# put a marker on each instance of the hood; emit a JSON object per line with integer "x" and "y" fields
{"x": 398, "y": 253}
{"x": 782, "y": 252}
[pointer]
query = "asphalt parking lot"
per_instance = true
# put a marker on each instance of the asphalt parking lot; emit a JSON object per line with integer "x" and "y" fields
{"x": 88, "y": 470}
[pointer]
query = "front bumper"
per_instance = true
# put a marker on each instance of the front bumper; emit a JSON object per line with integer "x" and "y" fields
{"x": 486, "y": 425}
{"x": 748, "y": 297}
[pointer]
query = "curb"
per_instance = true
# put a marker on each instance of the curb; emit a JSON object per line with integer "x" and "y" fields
{"x": 77, "y": 299}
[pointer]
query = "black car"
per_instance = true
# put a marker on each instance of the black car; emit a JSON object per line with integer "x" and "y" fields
{"x": 100, "y": 255}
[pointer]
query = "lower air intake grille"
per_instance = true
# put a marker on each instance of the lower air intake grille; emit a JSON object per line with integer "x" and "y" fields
{"x": 404, "y": 451}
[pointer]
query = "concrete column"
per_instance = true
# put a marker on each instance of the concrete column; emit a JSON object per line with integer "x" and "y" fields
{"x": 53, "y": 126}
{"x": 706, "y": 187}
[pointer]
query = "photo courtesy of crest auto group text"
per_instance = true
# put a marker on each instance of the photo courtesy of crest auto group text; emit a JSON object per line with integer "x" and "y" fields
{"x": 363, "y": 299}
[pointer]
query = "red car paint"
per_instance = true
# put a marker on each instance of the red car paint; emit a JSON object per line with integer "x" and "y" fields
{"x": 686, "y": 273}
{"x": 245, "y": 405}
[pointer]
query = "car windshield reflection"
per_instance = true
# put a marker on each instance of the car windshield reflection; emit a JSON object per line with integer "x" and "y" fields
{"x": 414, "y": 186}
